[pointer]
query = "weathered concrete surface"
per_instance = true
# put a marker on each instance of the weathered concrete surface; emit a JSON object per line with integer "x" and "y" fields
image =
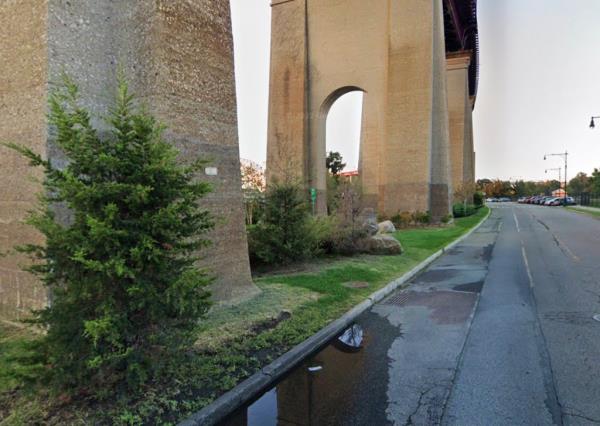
{"x": 395, "y": 54}
{"x": 23, "y": 88}
{"x": 178, "y": 56}
{"x": 460, "y": 120}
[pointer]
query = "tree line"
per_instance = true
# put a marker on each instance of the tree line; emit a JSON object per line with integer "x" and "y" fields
{"x": 581, "y": 183}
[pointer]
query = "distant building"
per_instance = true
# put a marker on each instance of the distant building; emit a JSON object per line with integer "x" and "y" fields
{"x": 559, "y": 193}
{"x": 351, "y": 175}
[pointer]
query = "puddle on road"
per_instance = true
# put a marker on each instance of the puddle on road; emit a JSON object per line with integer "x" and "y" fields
{"x": 328, "y": 388}
{"x": 475, "y": 287}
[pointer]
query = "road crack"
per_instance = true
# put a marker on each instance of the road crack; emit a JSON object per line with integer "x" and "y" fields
{"x": 581, "y": 416}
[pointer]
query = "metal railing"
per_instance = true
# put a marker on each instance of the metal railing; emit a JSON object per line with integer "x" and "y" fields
{"x": 587, "y": 199}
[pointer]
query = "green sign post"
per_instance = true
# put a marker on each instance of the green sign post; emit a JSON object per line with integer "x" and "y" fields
{"x": 313, "y": 199}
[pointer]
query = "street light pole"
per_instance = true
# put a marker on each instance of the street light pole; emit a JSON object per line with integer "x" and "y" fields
{"x": 565, "y": 155}
{"x": 592, "y": 124}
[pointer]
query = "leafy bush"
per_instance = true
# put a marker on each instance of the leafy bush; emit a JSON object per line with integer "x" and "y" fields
{"x": 126, "y": 295}
{"x": 382, "y": 217}
{"x": 339, "y": 238}
{"x": 446, "y": 219}
{"x": 286, "y": 231}
{"x": 423, "y": 218}
{"x": 478, "y": 199}
{"x": 324, "y": 229}
{"x": 462, "y": 210}
{"x": 402, "y": 219}
{"x": 334, "y": 188}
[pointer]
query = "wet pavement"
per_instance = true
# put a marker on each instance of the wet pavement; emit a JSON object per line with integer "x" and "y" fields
{"x": 498, "y": 331}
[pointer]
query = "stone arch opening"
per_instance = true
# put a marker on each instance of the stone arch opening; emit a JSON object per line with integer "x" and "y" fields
{"x": 319, "y": 144}
{"x": 343, "y": 126}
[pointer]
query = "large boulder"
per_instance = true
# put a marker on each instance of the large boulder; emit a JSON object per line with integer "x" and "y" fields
{"x": 380, "y": 244}
{"x": 386, "y": 227}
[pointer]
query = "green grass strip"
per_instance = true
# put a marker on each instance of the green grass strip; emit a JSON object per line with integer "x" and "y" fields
{"x": 589, "y": 212}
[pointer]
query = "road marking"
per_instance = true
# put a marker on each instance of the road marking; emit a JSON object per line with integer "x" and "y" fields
{"x": 562, "y": 246}
{"x": 527, "y": 266}
{"x": 566, "y": 249}
{"x": 516, "y": 221}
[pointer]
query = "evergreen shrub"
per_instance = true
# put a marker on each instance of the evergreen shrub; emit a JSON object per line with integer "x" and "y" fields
{"x": 286, "y": 232}
{"x": 126, "y": 295}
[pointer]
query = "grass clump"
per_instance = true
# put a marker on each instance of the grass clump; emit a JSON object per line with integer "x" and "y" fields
{"x": 589, "y": 212}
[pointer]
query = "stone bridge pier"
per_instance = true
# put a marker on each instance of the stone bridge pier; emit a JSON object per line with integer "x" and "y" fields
{"x": 178, "y": 56}
{"x": 395, "y": 53}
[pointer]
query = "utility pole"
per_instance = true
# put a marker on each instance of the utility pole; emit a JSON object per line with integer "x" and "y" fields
{"x": 565, "y": 155}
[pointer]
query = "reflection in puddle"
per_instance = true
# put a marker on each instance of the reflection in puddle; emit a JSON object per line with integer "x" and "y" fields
{"x": 324, "y": 390}
{"x": 351, "y": 339}
{"x": 264, "y": 411}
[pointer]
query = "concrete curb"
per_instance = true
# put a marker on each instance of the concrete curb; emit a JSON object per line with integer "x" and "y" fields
{"x": 272, "y": 373}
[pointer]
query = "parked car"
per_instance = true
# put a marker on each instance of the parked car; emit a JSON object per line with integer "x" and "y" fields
{"x": 491, "y": 200}
{"x": 546, "y": 200}
{"x": 543, "y": 200}
{"x": 504, "y": 199}
{"x": 560, "y": 201}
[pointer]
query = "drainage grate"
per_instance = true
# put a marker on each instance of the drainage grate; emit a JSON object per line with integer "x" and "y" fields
{"x": 397, "y": 299}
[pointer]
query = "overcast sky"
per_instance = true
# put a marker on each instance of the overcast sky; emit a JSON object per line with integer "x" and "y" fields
{"x": 539, "y": 85}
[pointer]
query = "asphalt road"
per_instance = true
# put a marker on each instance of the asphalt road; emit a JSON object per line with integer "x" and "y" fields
{"x": 532, "y": 356}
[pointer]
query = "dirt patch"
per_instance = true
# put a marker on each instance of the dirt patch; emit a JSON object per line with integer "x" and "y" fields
{"x": 356, "y": 284}
{"x": 270, "y": 323}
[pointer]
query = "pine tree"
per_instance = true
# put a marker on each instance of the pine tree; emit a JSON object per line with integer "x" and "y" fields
{"x": 126, "y": 294}
{"x": 284, "y": 233}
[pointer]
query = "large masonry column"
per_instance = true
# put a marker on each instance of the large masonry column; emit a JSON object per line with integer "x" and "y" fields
{"x": 23, "y": 87}
{"x": 460, "y": 119}
{"x": 395, "y": 54}
{"x": 441, "y": 185}
{"x": 287, "y": 149}
{"x": 471, "y": 135}
{"x": 178, "y": 56}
